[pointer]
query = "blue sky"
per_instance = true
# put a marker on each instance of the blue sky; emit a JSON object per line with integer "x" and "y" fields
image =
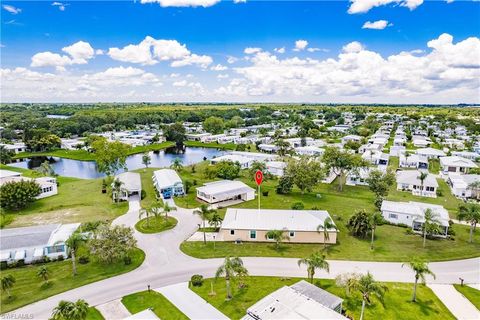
{"x": 224, "y": 29}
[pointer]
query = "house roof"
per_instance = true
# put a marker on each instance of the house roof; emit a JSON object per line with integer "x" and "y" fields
{"x": 271, "y": 219}
{"x": 166, "y": 178}
{"x": 224, "y": 188}
{"x": 430, "y": 152}
{"x": 413, "y": 177}
{"x": 146, "y": 314}
{"x": 8, "y": 173}
{"x": 416, "y": 209}
{"x": 456, "y": 161}
{"x": 131, "y": 181}
{"x": 313, "y": 292}
{"x": 287, "y": 303}
{"x": 233, "y": 158}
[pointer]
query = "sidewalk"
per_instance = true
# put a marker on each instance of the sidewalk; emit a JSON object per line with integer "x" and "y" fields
{"x": 113, "y": 310}
{"x": 190, "y": 303}
{"x": 458, "y": 305}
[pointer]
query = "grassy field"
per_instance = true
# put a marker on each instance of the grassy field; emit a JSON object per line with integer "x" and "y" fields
{"x": 391, "y": 243}
{"x": 163, "y": 308}
{"x": 78, "y": 200}
{"x": 397, "y": 299}
{"x": 155, "y": 224}
{"x": 28, "y": 287}
{"x": 94, "y": 314}
{"x": 470, "y": 293}
{"x": 226, "y": 146}
{"x": 84, "y": 155}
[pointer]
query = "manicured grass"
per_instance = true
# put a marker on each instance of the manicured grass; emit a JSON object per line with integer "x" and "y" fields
{"x": 397, "y": 299}
{"x": 434, "y": 166}
{"x": 391, "y": 242}
{"x": 28, "y": 286}
{"x": 77, "y": 200}
{"x": 470, "y": 293}
{"x": 393, "y": 163}
{"x": 160, "y": 305}
{"x": 155, "y": 224}
{"x": 226, "y": 146}
{"x": 151, "y": 147}
{"x": 94, "y": 314}
{"x": 147, "y": 185}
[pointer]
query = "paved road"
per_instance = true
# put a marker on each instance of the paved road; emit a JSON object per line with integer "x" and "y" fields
{"x": 165, "y": 264}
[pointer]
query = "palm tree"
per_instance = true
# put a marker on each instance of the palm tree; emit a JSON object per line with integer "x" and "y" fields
{"x": 421, "y": 270}
{"x": 116, "y": 188}
{"x": 368, "y": 288}
{"x": 177, "y": 164}
{"x": 327, "y": 225}
{"x": 475, "y": 187}
{"x": 469, "y": 212}
{"x": 315, "y": 261}
{"x": 230, "y": 268}
{"x": 145, "y": 213}
{"x": 43, "y": 273}
{"x": 204, "y": 213}
{"x": 215, "y": 220}
{"x": 46, "y": 169}
{"x": 73, "y": 243}
{"x": 146, "y": 160}
{"x": 430, "y": 225}
{"x": 7, "y": 284}
{"x": 67, "y": 310}
{"x": 278, "y": 236}
{"x": 375, "y": 219}
{"x": 166, "y": 209}
{"x": 422, "y": 177}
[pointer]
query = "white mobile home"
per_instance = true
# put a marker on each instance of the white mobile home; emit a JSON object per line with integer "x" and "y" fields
{"x": 225, "y": 192}
{"x": 168, "y": 183}
{"x": 48, "y": 185}
{"x": 410, "y": 181}
{"x": 456, "y": 164}
{"x": 131, "y": 184}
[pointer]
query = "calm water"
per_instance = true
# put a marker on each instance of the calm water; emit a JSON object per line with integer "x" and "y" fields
{"x": 88, "y": 169}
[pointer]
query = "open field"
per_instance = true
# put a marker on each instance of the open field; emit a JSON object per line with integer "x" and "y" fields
{"x": 397, "y": 299}
{"x": 163, "y": 308}
{"x": 392, "y": 243}
{"x": 77, "y": 200}
{"x": 28, "y": 286}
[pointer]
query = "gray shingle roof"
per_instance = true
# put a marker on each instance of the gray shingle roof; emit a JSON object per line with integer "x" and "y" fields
{"x": 26, "y": 236}
{"x": 319, "y": 295}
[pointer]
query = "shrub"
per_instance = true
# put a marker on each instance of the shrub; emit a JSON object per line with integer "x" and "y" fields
{"x": 127, "y": 260}
{"x": 439, "y": 193}
{"x": 16, "y": 195}
{"x": 285, "y": 185}
{"x": 3, "y": 265}
{"x": 143, "y": 194}
{"x": 197, "y": 280}
{"x": 298, "y": 206}
{"x": 84, "y": 260}
{"x": 265, "y": 193}
{"x": 20, "y": 263}
{"x": 60, "y": 258}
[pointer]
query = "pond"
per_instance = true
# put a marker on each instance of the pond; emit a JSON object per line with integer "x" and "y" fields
{"x": 88, "y": 169}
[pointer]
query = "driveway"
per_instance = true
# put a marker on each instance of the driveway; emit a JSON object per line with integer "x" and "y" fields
{"x": 458, "y": 305}
{"x": 165, "y": 265}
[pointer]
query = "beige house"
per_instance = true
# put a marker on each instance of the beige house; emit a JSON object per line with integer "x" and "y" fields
{"x": 252, "y": 225}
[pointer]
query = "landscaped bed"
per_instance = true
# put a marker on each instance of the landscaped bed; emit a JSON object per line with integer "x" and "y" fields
{"x": 29, "y": 287}
{"x": 155, "y": 224}
{"x": 163, "y": 308}
{"x": 397, "y": 305}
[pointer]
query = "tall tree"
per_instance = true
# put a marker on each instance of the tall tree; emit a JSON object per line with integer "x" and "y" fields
{"x": 214, "y": 125}
{"x": 215, "y": 220}
{"x": 422, "y": 177}
{"x": 326, "y": 227}
{"x": 230, "y": 268}
{"x": 375, "y": 219}
{"x": 306, "y": 173}
{"x": 177, "y": 164}
{"x": 278, "y": 236}
{"x": 112, "y": 243}
{"x": 368, "y": 288}
{"x": 315, "y": 261}
{"x": 421, "y": 269}
{"x": 110, "y": 156}
{"x": 359, "y": 223}
{"x": 469, "y": 212}
{"x": 7, "y": 284}
{"x": 166, "y": 209}
{"x": 379, "y": 183}
{"x": 67, "y": 310}
{"x": 6, "y": 155}
{"x": 146, "y": 159}
{"x": 73, "y": 243}
{"x": 176, "y": 133}
{"x": 341, "y": 162}
{"x": 283, "y": 147}
{"x": 116, "y": 189}
{"x": 147, "y": 213}
{"x": 204, "y": 213}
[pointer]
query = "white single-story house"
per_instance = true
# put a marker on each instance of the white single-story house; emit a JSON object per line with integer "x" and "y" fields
{"x": 297, "y": 142}
{"x": 309, "y": 151}
{"x": 197, "y": 136}
{"x": 131, "y": 185}
{"x": 276, "y": 168}
{"x": 409, "y": 180}
{"x": 299, "y": 301}
{"x": 71, "y": 144}
{"x": 244, "y": 162}
{"x": 255, "y": 156}
{"x": 395, "y": 151}
{"x": 456, "y": 164}
{"x": 413, "y": 161}
{"x": 467, "y": 155}
{"x": 16, "y": 147}
{"x": 225, "y": 192}
{"x": 271, "y": 148}
{"x": 252, "y": 225}
{"x": 48, "y": 185}
{"x": 358, "y": 177}
{"x": 421, "y": 141}
{"x": 340, "y": 128}
{"x": 454, "y": 143}
{"x": 168, "y": 183}
{"x": 376, "y": 157}
{"x": 460, "y": 185}
{"x": 352, "y": 137}
{"x": 412, "y": 214}
{"x": 34, "y": 243}
{"x": 430, "y": 153}
{"x": 212, "y": 138}
{"x": 399, "y": 141}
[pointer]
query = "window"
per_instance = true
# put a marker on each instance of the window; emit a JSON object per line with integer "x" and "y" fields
{"x": 393, "y": 216}
{"x": 291, "y": 234}
{"x": 253, "y": 234}
{"x": 232, "y": 232}
{"x": 56, "y": 249}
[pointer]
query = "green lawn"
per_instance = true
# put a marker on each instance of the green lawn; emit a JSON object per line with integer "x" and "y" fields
{"x": 397, "y": 299}
{"x": 78, "y": 200}
{"x": 470, "y": 293}
{"x": 155, "y": 224}
{"x": 94, "y": 314}
{"x": 163, "y": 308}
{"x": 434, "y": 166}
{"x": 28, "y": 286}
{"x": 147, "y": 186}
{"x": 393, "y": 163}
{"x": 226, "y": 146}
{"x": 391, "y": 244}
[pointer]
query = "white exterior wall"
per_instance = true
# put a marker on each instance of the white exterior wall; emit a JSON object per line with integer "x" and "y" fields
{"x": 401, "y": 218}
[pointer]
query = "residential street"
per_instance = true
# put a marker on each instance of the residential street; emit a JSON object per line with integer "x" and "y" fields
{"x": 165, "y": 265}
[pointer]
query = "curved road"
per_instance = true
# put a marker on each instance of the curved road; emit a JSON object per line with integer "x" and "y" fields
{"x": 165, "y": 264}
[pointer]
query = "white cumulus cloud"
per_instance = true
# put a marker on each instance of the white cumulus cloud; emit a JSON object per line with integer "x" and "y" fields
{"x": 183, "y": 3}
{"x": 300, "y": 45}
{"x": 362, "y": 6}
{"x": 376, "y": 25}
